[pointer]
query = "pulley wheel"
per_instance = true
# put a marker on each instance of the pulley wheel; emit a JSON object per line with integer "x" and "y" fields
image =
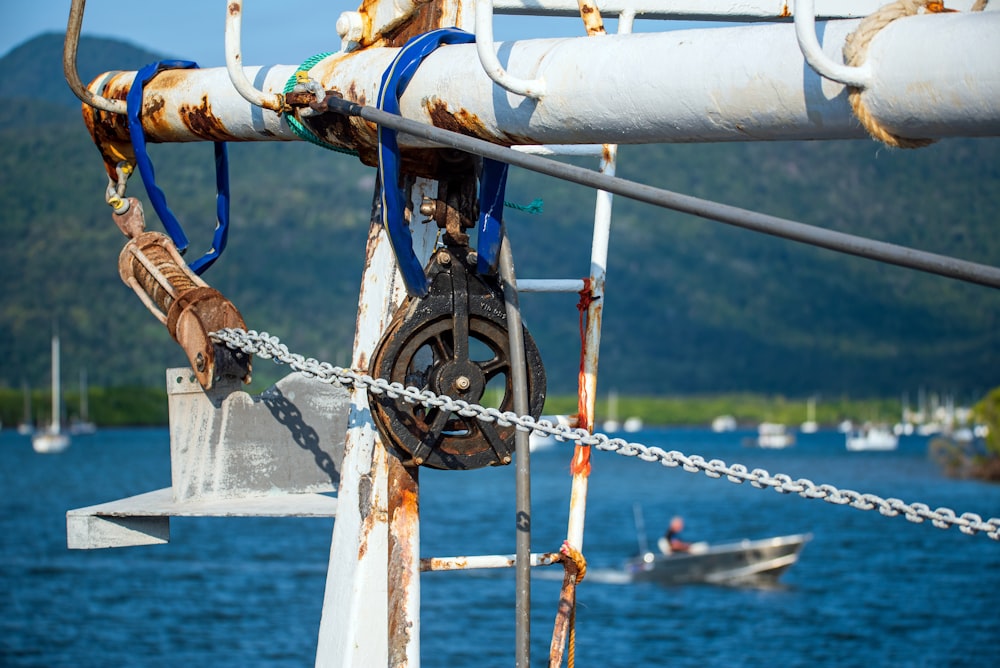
{"x": 431, "y": 345}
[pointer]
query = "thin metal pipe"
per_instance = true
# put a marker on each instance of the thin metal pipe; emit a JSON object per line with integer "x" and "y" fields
{"x": 550, "y": 284}
{"x": 841, "y": 242}
{"x": 70, "y": 46}
{"x": 519, "y": 382}
{"x": 484, "y": 561}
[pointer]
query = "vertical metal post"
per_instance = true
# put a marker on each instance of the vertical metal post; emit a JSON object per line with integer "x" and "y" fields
{"x": 354, "y": 624}
{"x": 592, "y": 336}
{"x": 404, "y": 564}
{"x": 519, "y": 382}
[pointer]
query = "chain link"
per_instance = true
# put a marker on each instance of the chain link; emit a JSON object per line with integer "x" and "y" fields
{"x": 265, "y": 346}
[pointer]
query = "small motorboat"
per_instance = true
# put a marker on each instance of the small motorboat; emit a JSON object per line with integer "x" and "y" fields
{"x": 740, "y": 563}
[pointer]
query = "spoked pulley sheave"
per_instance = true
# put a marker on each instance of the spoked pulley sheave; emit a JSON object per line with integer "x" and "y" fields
{"x": 453, "y": 342}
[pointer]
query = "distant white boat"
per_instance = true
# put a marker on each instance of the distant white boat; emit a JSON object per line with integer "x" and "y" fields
{"x": 723, "y": 423}
{"x": 612, "y": 424}
{"x": 83, "y": 425}
{"x": 632, "y": 424}
{"x": 52, "y": 440}
{"x": 774, "y": 435}
{"x": 810, "y": 426}
{"x": 872, "y": 437}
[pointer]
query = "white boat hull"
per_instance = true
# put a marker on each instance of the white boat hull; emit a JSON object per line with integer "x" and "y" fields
{"x": 49, "y": 442}
{"x": 745, "y": 562}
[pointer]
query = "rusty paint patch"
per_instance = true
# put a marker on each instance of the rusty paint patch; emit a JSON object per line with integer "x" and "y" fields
{"x": 460, "y": 121}
{"x": 202, "y": 122}
{"x": 785, "y": 12}
{"x": 234, "y": 8}
{"x": 404, "y": 512}
{"x": 109, "y": 131}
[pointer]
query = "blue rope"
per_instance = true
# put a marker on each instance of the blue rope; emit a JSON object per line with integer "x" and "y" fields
{"x": 493, "y": 179}
{"x": 145, "y": 167}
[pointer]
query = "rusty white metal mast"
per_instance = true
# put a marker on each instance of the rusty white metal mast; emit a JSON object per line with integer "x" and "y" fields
{"x": 766, "y": 77}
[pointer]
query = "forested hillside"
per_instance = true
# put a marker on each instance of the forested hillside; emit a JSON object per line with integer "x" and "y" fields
{"x": 692, "y": 306}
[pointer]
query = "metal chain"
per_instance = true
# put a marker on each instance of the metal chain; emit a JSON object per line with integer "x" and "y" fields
{"x": 266, "y": 346}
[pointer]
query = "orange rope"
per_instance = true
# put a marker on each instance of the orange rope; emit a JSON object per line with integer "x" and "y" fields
{"x": 575, "y": 569}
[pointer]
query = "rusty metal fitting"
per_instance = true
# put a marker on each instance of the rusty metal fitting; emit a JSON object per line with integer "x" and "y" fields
{"x": 190, "y": 309}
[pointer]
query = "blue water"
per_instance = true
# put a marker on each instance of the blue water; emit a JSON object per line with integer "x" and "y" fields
{"x": 867, "y": 591}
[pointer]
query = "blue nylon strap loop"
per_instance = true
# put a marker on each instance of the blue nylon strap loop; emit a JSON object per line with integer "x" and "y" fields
{"x": 493, "y": 180}
{"x": 145, "y": 167}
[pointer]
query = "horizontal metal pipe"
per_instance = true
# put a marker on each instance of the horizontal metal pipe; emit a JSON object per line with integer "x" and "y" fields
{"x": 550, "y": 284}
{"x": 703, "y": 10}
{"x": 484, "y": 561}
{"x": 743, "y": 83}
{"x": 760, "y": 222}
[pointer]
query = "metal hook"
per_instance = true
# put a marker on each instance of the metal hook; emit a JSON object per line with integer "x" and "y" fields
{"x": 234, "y": 23}
{"x": 70, "y": 45}
{"x": 805, "y": 33}
{"x": 533, "y": 88}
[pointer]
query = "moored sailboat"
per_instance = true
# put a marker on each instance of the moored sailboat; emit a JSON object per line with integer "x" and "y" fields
{"x": 52, "y": 439}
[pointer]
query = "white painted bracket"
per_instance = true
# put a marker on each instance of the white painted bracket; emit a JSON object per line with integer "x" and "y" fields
{"x": 232, "y": 455}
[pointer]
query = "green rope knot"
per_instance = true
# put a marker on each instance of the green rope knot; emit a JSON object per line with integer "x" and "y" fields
{"x": 300, "y": 130}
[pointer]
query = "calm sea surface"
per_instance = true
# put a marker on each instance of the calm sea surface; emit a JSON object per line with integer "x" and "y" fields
{"x": 867, "y": 591}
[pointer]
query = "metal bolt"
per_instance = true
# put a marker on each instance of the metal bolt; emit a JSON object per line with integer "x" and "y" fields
{"x": 444, "y": 257}
{"x": 199, "y": 362}
{"x": 462, "y": 383}
{"x": 428, "y": 206}
{"x": 351, "y": 26}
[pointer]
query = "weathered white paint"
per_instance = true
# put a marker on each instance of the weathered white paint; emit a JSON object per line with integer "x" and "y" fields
{"x": 701, "y": 10}
{"x": 225, "y": 443}
{"x": 145, "y": 519}
{"x": 743, "y": 83}
{"x": 353, "y": 626}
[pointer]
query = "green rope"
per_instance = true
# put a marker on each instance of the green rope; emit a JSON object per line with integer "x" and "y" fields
{"x": 534, "y": 208}
{"x": 297, "y": 127}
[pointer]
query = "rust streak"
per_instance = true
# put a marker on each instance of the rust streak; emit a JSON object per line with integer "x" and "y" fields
{"x": 785, "y": 13}
{"x": 404, "y": 523}
{"x": 202, "y": 122}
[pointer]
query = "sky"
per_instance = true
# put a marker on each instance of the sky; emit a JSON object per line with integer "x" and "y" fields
{"x": 284, "y": 32}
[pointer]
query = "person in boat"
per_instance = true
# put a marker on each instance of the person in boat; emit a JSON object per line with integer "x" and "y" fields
{"x": 671, "y": 541}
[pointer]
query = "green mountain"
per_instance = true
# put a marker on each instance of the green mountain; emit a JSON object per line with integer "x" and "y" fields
{"x": 692, "y": 306}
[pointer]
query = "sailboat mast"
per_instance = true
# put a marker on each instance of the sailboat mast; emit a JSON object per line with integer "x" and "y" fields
{"x": 55, "y": 385}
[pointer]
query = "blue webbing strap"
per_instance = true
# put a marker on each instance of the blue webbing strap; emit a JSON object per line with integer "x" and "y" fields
{"x": 145, "y": 167}
{"x": 493, "y": 180}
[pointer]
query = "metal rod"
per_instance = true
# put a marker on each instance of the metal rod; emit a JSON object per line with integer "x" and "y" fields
{"x": 533, "y": 88}
{"x": 519, "y": 382}
{"x": 841, "y": 242}
{"x": 822, "y": 64}
{"x": 484, "y": 561}
{"x": 234, "y": 62}
{"x": 70, "y": 46}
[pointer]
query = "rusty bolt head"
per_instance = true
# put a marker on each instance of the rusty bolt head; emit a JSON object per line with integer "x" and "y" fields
{"x": 444, "y": 257}
{"x": 462, "y": 383}
{"x": 199, "y": 362}
{"x": 428, "y": 207}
